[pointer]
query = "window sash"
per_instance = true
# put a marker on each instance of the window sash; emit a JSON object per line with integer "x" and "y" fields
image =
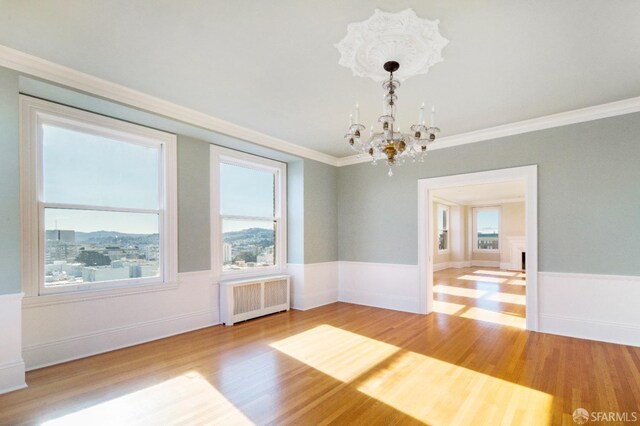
{"x": 227, "y": 156}
{"x": 477, "y": 210}
{"x": 35, "y": 113}
{"x": 62, "y": 288}
{"x": 443, "y": 214}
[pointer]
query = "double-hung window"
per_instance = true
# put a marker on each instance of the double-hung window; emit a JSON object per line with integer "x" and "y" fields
{"x": 443, "y": 229}
{"x": 98, "y": 201}
{"x": 486, "y": 229}
{"x": 248, "y": 213}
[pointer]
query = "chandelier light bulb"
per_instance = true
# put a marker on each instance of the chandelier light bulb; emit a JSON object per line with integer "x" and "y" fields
{"x": 391, "y": 145}
{"x": 375, "y": 48}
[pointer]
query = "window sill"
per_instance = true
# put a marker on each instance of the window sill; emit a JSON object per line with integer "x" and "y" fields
{"x": 486, "y": 251}
{"x": 443, "y": 251}
{"x": 94, "y": 294}
{"x": 239, "y": 276}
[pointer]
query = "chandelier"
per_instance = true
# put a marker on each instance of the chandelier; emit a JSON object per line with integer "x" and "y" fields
{"x": 391, "y": 145}
{"x": 375, "y": 48}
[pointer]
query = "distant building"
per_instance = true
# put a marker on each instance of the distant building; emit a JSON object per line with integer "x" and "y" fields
{"x": 267, "y": 256}
{"x": 227, "y": 255}
{"x": 67, "y": 236}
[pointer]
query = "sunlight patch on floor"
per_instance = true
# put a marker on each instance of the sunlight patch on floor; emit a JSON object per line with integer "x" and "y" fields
{"x": 482, "y": 278}
{"x": 440, "y": 393}
{"x": 498, "y": 273}
{"x": 182, "y": 399}
{"x": 500, "y": 318}
{"x": 522, "y": 275}
{"x": 516, "y": 281}
{"x": 516, "y": 299}
{"x": 447, "y": 308}
{"x": 338, "y": 353}
{"x": 430, "y": 390}
{"x": 459, "y": 291}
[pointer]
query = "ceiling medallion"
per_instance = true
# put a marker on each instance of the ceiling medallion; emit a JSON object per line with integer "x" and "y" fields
{"x": 377, "y": 48}
{"x": 403, "y": 37}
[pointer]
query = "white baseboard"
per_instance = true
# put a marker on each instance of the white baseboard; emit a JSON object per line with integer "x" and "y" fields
{"x": 313, "y": 284}
{"x": 12, "y": 376}
{"x": 589, "y": 306}
{"x": 486, "y": 263}
{"x": 63, "y": 332}
{"x": 383, "y": 285}
{"x": 457, "y": 264}
{"x": 296, "y": 271}
{"x": 11, "y": 363}
{"x": 441, "y": 266}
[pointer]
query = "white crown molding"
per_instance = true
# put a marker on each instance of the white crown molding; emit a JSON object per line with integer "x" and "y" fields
{"x": 47, "y": 70}
{"x": 612, "y": 109}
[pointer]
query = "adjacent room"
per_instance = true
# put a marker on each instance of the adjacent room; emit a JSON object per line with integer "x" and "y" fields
{"x": 285, "y": 212}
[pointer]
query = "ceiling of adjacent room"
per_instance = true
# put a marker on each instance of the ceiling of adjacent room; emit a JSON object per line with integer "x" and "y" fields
{"x": 271, "y": 65}
{"x": 501, "y": 192}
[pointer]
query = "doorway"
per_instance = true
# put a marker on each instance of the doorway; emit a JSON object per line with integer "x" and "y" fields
{"x": 435, "y": 239}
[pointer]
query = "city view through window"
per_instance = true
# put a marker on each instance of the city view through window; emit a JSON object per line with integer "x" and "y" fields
{"x": 101, "y": 206}
{"x": 77, "y": 257}
{"x": 488, "y": 229}
{"x": 247, "y": 210}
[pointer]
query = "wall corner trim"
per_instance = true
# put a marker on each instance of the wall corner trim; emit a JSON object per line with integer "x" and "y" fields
{"x": 47, "y": 70}
{"x": 611, "y": 109}
{"x": 12, "y": 367}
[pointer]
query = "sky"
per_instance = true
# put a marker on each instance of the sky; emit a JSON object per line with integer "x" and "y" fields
{"x": 86, "y": 169}
{"x": 487, "y": 221}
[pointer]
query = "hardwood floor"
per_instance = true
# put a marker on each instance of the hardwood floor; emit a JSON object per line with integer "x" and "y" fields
{"x": 485, "y": 294}
{"x": 344, "y": 364}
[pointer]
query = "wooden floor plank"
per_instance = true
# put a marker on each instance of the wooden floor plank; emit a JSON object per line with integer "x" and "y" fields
{"x": 471, "y": 363}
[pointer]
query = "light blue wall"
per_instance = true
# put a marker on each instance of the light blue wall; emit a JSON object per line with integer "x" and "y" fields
{"x": 295, "y": 212}
{"x": 9, "y": 183}
{"x": 588, "y": 197}
{"x": 194, "y": 220}
{"x": 312, "y": 224}
{"x": 320, "y": 212}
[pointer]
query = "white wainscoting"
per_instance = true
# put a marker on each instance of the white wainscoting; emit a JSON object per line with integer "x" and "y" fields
{"x": 457, "y": 264}
{"x": 486, "y": 263}
{"x": 382, "y": 285}
{"x": 11, "y": 364}
{"x": 587, "y": 306}
{"x": 313, "y": 284}
{"x": 55, "y": 333}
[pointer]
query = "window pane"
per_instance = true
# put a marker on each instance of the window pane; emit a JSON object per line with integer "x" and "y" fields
{"x": 80, "y": 168}
{"x": 246, "y": 192}
{"x": 487, "y": 226}
{"x": 248, "y": 244}
{"x": 90, "y": 246}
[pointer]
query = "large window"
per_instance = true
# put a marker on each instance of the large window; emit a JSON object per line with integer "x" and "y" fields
{"x": 486, "y": 229}
{"x": 443, "y": 229}
{"x": 99, "y": 200}
{"x": 248, "y": 223}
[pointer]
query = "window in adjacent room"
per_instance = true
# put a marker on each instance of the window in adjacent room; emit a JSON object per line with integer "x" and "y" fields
{"x": 443, "y": 229}
{"x": 101, "y": 200}
{"x": 249, "y": 230}
{"x": 486, "y": 229}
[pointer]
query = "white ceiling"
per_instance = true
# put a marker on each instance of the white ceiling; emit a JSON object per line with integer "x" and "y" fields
{"x": 271, "y": 66}
{"x": 482, "y": 194}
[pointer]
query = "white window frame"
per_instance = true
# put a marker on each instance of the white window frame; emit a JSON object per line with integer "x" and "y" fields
{"x": 443, "y": 208}
{"x": 229, "y": 156}
{"x": 34, "y": 113}
{"x": 475, "y": 229}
